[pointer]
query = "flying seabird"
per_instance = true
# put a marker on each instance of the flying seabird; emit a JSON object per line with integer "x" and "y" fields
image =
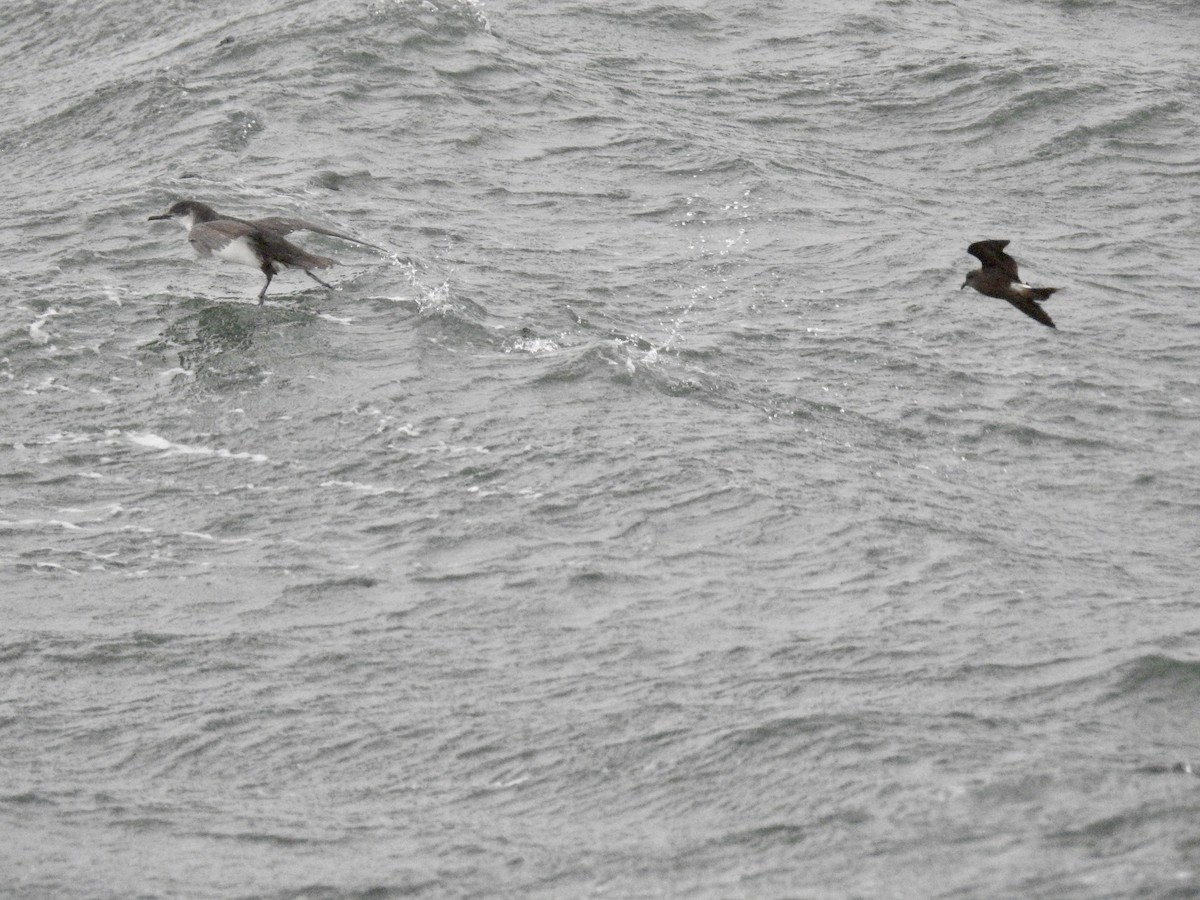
{"x": 999, "y": 278}
{"x": 259, "y": 243}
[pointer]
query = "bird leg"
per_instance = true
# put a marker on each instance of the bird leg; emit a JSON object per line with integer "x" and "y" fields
{"x": 328, "y": 287}
{"x": 269, "y": 271}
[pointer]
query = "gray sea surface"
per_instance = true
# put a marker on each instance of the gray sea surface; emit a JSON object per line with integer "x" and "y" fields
{"x": 656, "y": 518}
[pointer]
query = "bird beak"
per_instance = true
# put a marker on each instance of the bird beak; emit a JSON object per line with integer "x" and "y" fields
{"x": 163, "y": 216}
{"x": 964, "y": 284}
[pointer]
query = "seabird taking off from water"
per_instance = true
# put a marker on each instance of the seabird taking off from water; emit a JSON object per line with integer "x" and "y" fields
{"x": 999, "y": 278}
{"x": 258, "y": 243}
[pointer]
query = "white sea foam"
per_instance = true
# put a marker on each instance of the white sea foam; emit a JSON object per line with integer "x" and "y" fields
{"x": 157, "y": 442}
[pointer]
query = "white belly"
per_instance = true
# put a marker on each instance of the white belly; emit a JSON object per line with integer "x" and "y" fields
{"x": 239, "y": 251}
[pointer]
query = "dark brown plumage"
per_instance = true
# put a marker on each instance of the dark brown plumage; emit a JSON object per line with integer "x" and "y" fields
{"x": 998, "y": 278}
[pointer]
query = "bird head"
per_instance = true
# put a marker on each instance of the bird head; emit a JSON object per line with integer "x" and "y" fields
{"x": 187, "y": 213}
{"x": 970, "y": 279}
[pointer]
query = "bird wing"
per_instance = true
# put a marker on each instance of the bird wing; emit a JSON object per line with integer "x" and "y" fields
{"x": 992, "y": 255}
{"x": 288, "y": 254}
{"x": 208, "y": 237}
{"x": 284, "y": 225}
{"x": 1031, "y": 309}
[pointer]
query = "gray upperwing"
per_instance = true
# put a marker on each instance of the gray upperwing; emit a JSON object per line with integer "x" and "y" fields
{"x": 283, "y": 225}
{"x": 208, "y": 237}
{"x": 286, "y": 253}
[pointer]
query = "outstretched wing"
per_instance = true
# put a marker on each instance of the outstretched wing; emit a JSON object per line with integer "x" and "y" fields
{"x": 286, "y": 253}
{"x": 1031, "y": 309}
{"x": 992, "y": 255}
{"x": 211, "y": 237}
{"x": 284, "y": 225}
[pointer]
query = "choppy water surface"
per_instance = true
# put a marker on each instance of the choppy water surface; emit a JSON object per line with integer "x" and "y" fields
{"x": 658, "y": 519}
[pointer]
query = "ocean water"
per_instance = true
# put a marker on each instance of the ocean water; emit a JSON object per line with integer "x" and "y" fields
{"x": 656, "y": 518}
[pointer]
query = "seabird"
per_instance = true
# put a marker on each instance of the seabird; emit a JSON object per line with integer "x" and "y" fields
{"x": 999, "y": 278}
{"x": 258, "y": 243}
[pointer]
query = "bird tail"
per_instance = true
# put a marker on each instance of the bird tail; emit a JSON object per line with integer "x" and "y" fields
{"x": 1040, "y": 294}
